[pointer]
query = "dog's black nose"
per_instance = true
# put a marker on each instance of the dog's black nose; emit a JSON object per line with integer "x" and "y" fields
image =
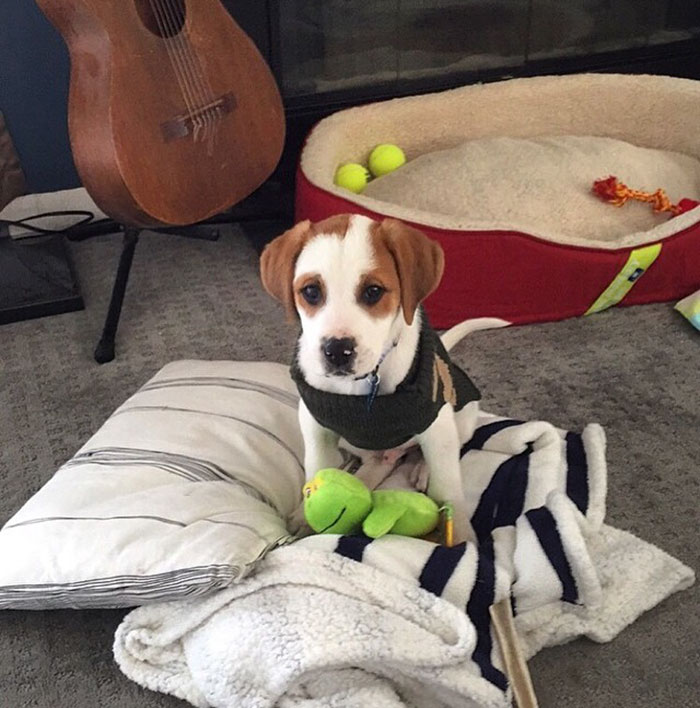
{"x": 339, "y": 353}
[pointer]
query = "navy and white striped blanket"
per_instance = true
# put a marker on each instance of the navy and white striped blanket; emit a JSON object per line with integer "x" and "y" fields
{"x": 533, "y": 492}
{"x": 347, "y": 621}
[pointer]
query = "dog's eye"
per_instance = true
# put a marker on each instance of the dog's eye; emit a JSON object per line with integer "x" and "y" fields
{"x": 312, "y": 294}
{"x": 372, "y": 294}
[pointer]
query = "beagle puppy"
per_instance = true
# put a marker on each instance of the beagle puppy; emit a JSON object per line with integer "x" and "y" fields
{"x": 368, "y": 366}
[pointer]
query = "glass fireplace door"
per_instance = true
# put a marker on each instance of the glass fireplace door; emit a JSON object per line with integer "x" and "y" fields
{"x": 326, "y": 46}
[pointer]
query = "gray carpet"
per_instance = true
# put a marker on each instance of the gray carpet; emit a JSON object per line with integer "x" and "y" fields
{"x": 634, "y": 370}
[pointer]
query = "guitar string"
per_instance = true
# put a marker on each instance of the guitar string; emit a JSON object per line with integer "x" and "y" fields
{"x": 208, "y": 97}
{"x": 197, "y": 119}
{"x": 201, "y": 120}
{"x": 177, "y": 24}
{"x": 185, "y": 88}
{"x": 177, "y": 69}
{"x": 161, "y": 31}
{"x": 170, "y": 37}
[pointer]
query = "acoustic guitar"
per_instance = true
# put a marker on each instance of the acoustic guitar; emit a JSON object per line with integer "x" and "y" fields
{"x": 173, "y": 113}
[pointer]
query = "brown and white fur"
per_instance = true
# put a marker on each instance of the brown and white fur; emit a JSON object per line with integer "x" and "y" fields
{"x": 356, "y": 286}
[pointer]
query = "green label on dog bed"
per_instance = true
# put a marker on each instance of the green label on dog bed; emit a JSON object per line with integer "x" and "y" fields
{"x": 637, "y": 264}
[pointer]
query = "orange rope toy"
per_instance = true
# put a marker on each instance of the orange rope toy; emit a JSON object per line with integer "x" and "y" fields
{"x": 612, "y": 190}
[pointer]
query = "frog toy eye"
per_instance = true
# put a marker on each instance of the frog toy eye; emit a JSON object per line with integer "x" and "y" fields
{"x": 309, "y": 488}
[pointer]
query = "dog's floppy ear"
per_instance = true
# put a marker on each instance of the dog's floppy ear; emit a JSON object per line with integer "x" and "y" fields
{"x": 277, "y": 264}
{"x": 419, "y": 263}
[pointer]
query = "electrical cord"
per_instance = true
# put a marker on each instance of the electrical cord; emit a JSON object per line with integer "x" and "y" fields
{"x": 88, "y": 218}
{"x": 88, "y": 226}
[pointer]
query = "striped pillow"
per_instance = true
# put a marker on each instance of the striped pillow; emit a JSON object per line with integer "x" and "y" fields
{"x": 179, "y": 493}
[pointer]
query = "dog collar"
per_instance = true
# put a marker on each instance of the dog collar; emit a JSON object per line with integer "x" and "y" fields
{"x": 373, "y": 376}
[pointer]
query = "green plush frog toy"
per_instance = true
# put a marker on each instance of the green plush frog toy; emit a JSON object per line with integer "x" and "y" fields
{"x": 338, "y": 502}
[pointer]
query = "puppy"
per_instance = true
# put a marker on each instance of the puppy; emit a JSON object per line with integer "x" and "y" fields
{"x": 368, "y": 367}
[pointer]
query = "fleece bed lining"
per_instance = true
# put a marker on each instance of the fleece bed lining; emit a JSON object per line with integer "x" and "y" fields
{"x": 644, "y": 124}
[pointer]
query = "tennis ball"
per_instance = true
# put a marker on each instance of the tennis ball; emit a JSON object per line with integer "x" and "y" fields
{"x": 385, "y": 158}
{"x": 352, "y": 176}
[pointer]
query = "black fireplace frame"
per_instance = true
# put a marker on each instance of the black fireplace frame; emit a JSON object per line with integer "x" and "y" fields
{"x": 260, "y": 19}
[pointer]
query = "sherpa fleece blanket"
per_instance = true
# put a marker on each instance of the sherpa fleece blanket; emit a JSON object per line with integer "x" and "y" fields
{"x": 541, "y": 184}
{"x": 346, "y": 621}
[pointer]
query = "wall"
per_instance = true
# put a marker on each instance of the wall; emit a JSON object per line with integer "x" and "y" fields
{"x": 33, "y": 95}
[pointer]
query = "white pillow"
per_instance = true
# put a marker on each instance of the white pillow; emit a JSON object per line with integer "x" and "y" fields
{"x": 179, "y": 493}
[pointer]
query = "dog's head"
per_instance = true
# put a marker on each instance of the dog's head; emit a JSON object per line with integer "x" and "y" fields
{"x": 352, "y": 282}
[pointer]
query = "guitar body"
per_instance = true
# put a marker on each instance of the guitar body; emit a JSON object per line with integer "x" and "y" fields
{"x": 173, "y": 113}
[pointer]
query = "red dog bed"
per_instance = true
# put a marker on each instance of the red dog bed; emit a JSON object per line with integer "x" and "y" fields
{"x": 512, "y": 267}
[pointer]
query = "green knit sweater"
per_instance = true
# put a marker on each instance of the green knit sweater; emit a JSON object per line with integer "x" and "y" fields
{"x": 393, "y": 419}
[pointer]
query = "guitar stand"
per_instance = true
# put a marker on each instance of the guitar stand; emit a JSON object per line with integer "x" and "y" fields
{"x": 104, "y": 351}
{"x": 255, "y": 208}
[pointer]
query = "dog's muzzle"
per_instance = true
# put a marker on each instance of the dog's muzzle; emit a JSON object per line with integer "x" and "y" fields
{"x": 339, "y": 354}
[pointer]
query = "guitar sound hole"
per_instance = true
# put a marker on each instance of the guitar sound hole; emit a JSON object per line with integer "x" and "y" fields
{"x": 163, "y": 18}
